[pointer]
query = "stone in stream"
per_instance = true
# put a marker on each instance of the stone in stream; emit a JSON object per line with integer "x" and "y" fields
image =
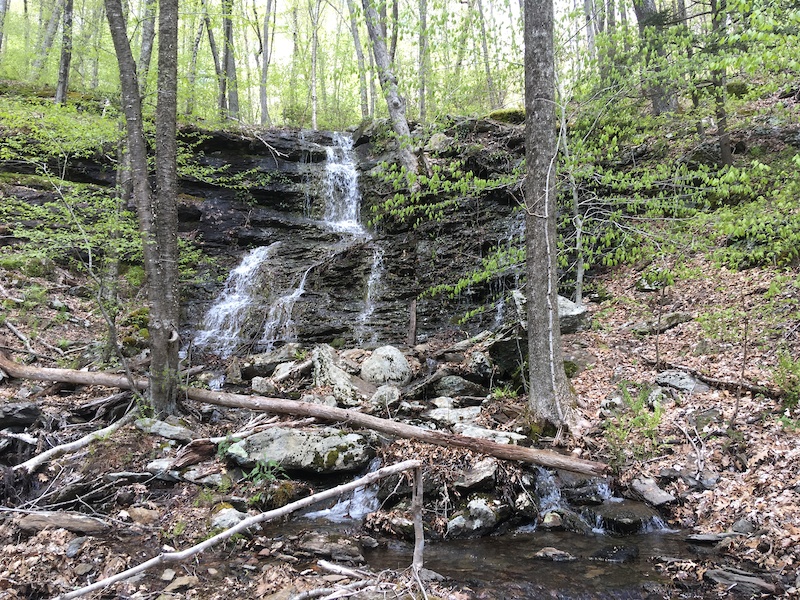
{"x": 624, "y": 517}
{"x": 648, "y": 489}
{"x": 481, "y": 517}
{"x": 554, "y": 554}
{"x": 480, "y": 476}
{"x": 323, "y": 450}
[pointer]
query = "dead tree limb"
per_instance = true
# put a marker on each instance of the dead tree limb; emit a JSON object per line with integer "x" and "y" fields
{"x": 29, "y": 466}
{"x": 181, "y": 556}
{"x": 545, "y": 458}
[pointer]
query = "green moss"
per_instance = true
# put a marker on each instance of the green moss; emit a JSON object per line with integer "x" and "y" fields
{"x": 515, "y": 116}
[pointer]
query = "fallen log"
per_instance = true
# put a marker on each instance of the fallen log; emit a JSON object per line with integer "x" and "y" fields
{"x": 242, "y": 526}
{"x": 545, "y": 458}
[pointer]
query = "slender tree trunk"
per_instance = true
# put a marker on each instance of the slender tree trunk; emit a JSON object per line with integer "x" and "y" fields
{"x": 229, "y": 61}
{"x": 550, "y": 399}
{"x": 62, "y": 85}
{"x": 462, "y": 42}
{"x": 3, "y": 11}
{"x": 651, "y": 32}
{"x": 148, "y": 40}
{"x": 423, "y": 56}
{"x": 493, "y": 96}
{"x": 164, "y": 286}
{"x": 222, "y": 100}
{"x": 395, "y": 31}
{"x": 266, "y": 55}
{"x": 47, "y": 39}
{"x": 395, "y": 103}
{"x": 373, "y": 92}
{"x": 719, "y": 14}
{"x": 588, "y": 12}
{"x": 362, "y": 69}
{"x": 192, "y": 77}
{"x": 314, "y": 9}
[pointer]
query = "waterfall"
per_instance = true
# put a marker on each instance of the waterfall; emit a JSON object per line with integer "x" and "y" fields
{"x": 225, "y": 320}
{"x": 373, "y": 287}
{"x": 279, "y": 325}
{"x": 342, "y": 197}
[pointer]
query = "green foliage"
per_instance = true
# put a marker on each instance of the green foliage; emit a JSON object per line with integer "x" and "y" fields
{"x": 787, "y": 377}
{"x": 265, "y": 472}
{"x": 633, "y": 431}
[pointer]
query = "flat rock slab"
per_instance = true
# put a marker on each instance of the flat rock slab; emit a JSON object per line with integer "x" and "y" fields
{"x": 648, "y": 489}
{"x": 165, "y": 430}
{"x": 75, "y": 522}
{"x": 681, "y": 381}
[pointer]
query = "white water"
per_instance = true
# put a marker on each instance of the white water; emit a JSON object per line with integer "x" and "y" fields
{"x": 342, "y": 197}
{"x": 279, "y": 324}
{"x": 373, "y": 288}
{"x": 353, "y": 506}
{"x": 223, "y": 322}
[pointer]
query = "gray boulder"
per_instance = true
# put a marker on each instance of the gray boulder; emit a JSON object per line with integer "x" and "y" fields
{"x": 386, "y": 366}
{"x": 453, "y": 386}
{"x": 325, "y": 450}
{"x": 681, "y": 381}
{"x": 481, "y": 517}
{"x": 348, "y": 390}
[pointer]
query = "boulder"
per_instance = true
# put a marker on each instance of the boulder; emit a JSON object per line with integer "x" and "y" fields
{"x": 647, "y": 489}
{"x": 325, "y": 450}
{"x": 348, "y": 390}
{"x": 19, "y": 414}
{"x": 454, "y": 386}
{"x": 681, "y": 381}
{"x": 386, "y": 366}
{"x": 627, "y": 516}
{"x": 480, "y": 476}
{"x": 571, "y": 316}
{"x": 165, "y": 430}
{"x": 227, "y": 518}
{"x": 264, "y": 364}
{"x": 481, "y": 517}
{"x": 452, "y": 416}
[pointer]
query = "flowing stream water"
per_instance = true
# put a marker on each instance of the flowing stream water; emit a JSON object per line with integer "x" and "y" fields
{"x": 228, "y": 323}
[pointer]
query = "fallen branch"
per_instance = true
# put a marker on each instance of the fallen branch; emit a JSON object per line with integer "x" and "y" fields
{"x": 242, "y": 526}
{"x": 298, "y": 369}
{"x": 545, "y": 458}
{"x": 29, "y": 466}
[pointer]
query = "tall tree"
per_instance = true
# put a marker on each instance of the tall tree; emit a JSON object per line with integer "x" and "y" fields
{"x": 494, "y": 99}
{"x": 719, "y": 16}
{"x": 148, "y": 40}
{"x": 3, "y": 11}
{"x": 362, "y": 68}
{"x": 266, "y": 56}
{"x": 314, "y": 12}
{"x": 157, "y": 214}
{"x": 46, "y": 39}
{"x": 422, "y": 63}
{"x": 395, "y": 103}
{"x": 550, "y": 400}
{"x": 229, "y": 61}
{"x": 62, "y": 85}
{"x": 651, "y": 33}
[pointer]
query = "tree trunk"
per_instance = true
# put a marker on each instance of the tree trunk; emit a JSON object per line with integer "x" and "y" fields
{"x": 148, "y": 39}
{"x": 362, "y": 69}
{"x": 229, "y": 61}
{"x": 394, "y": 101}
{"x": 353, "y": 418}
{"x": 651, "y": 32}
{"x": 47, "y": 39}
{"x": 3, "y": 11}
{"x": 158, "y": 262}
{"x": 266, "y": 55}
{"x": 314, "y": 9}
{"x": 222, "y": 100}
{"x": 719, "y": 15}
{"x": 550, "y": 400}
{"x": 494, "y": 101}
{"x": 395, "y": 30}
{"x": 66, "y": 55}
{"x": 423, "y": 56}
{"x": 164, "y": 286}
{"x": 588, "y": 12}
{"x": 192, "y": 77}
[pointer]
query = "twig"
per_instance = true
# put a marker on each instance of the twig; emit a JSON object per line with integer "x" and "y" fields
{"x": 242, "y": 526}
{"x": 732, "y": 422}
{"x": 419, "y": 532}
{"x": 20, "y": 335}
{"x": 29, "y": 466}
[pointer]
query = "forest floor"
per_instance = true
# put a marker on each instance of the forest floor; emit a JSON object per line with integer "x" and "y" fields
{"x": 743, "y": 445}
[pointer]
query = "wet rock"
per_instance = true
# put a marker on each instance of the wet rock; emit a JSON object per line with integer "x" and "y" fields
{"x": 739, "y": 580}
{"x": 480, "y": 476}
{"x": 19, "y": 414}
{"x": 337, "y": 548}
{"x": 710, "y": 538}
{"x": 617, "y": 554}
{"x": 499, "y": 437}
{"x": 623, "y": 517}
{"x": 481, "y": 517}
{"x": 50, "y": 519}
{"x": 681, "y": 381}
{"x": 324, "y": 450}
{"x": 165, "y": 430}
{"x": 554, "y": 554}
{"x": 386, "y": 365}
{"x": 566, "y": 519}
{"x": 453, "y": 386}
{"x": 647, "y": 489}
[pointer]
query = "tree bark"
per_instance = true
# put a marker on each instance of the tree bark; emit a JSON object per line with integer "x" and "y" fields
{"x": 148, "y": 40}
{"x": 3, "y": 11}
{"x": 362, "y": 68}
{"x": 222, "y": 100}
{"x": 314, "y": 9}
{"x": 229, "y": 61}
{"x": 550, "y": 398}
{"x": 163, "y": 282}
{"x": 494, "y": 101}
{"x": 396, "y": 104}
{"x": 719, "y": 15}
{"x": 47, "y": 39}
{"x": 66, "y": 55}
{"x": 266, "y": 55}
{"x": 546, "y": 458}
{"x": 422, "y": 66}
{"x": 651, "y": 31}
{"x": 588, "y": 12}
{"x": 192, "y": 77}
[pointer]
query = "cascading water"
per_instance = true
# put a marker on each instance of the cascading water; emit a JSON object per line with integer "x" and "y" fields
{"x": 225, "y": 320}
{"x": 342, "y": 197}
{"x": 279, "y": 324}
{"x": 373, "y": 287}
